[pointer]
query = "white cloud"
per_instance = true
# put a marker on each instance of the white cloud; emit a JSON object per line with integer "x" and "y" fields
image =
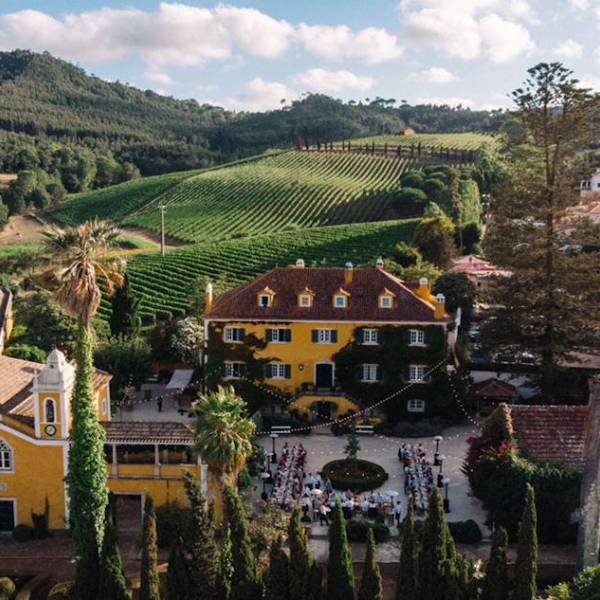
{"x": 469, "y": 28}
{"x": 433, "y": 75}
{"x": 590, "y": 81}
{"x": 260, "y": 95}
{"x": 568, "y": 50}
{"x": 321, "y": 80}
{"x": 580, "y": 4}
{"x": 371, "y": 45}
{"x": 158, "y": 77}
{"x": 447, "y": 101}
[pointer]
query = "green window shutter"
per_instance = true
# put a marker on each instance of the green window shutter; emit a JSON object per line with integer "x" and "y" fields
{"x": 223, "y": 371}
{"x": 268, "y": 371}
{"x": 269, "y": 335}
{"x": 360, "y": 336}
{"x": 378, "y": 373}
{"x": 242, "y": 334}
{"x": 315, "y": 335}
{"x": 287, "y": 336}
{"x": 288, "y": 371}
{"x": 333, "y": 336}
{"x": 242, "y": 368}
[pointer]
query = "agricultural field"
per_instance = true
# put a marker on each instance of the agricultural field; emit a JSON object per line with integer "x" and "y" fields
{"x": 459, "y": 141}
{"x": 165, "y": 284}
{"x": 293, "y": 189}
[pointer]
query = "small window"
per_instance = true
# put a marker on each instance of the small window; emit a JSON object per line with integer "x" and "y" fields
{"x": 279, "y": 371}
{"x": 417, "y": 337}
{"x": 370, "y": 337}
{"x": 279, "y": 336}
{"x": 415, "y": 405}
{"x": 370, "y": 372}
{"x": 264, "y": 300}
{"x": 49, "y": 411}
{"x": 304, "y": 300}
{"x": 233, "y": 335}
{"x": 5, "y": 456}
{"x": 385, "y": 302}
{"x": 234, "y": 370}
{"x": 324, "y": 336}
{"x": 340, "y": 301}
{"x": 416, "y": 373}
{"x": 104, "y": 406}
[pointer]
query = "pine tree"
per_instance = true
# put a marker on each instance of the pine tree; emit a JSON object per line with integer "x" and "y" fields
{"x": 495, "y": 584}
{"x": 203, "y": 547}
{"x": 178, "y": 573}
{"x": 300, "y": 559}
{"x": 247, "y": 584}
{"x": 437, "y": 560}
{"x": 149, "y": 581}
{"x": 371, "y": 587}
{"x": 407, "y": 584}
{"x": 526, "y": 563}
{"x": 124, "y": 319}
{"x": 225, "y": 568}
{"x": 340, "y": 574}
{"x": 112, "y": 584}
{"x": 277, "y": 581}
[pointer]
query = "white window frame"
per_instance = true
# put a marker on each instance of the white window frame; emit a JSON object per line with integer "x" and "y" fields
{"x": 305, "y": 300}
{"x": 230, "y": 370}
{"x": 415, "y": 405}
{"x": 369, "y": 373}
{"x": 6, "y": 457}
{"x": 278, "y": 370}
{"x": 228, "y": 335}
{"x": 417, "y": 337}
{"x": 46, "y": 401}
{"x": 275, "y": 334}
{"x": 324, "y": 336}
{"x": 386, "y": 301}
{"x": 344, "y": 301}
{"x": 373, "y": 335}
{"x": 269, "y": 300}
{"x": 416, "y": 373}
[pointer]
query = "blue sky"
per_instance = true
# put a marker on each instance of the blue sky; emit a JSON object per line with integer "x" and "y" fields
{"x": 249, "y": 55}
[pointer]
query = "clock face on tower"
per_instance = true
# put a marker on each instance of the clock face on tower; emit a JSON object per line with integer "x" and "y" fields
{"x": 50, "y": 430}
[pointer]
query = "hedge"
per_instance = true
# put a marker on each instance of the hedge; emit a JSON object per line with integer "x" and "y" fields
{"x": 374, "y": 475}
{"x": 357, "y": 531}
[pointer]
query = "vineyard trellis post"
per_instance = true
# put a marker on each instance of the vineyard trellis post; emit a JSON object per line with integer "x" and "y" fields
{"x": 162, "y": 208}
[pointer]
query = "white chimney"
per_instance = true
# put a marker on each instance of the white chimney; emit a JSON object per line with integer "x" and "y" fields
{"x": 379, "y": 263}
{"x": 300, "y": 263}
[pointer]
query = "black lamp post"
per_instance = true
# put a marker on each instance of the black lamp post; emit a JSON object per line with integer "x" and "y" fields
{"x": 440, "y": 477}
{"x": 436, "y": 456}
{"x": 274, "y": 436}
{"x": 446, "y": 500}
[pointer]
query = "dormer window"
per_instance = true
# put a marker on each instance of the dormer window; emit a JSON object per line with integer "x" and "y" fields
{"x": 265, "y": 298}
{"x": 304, "y": 300}
{"x": 385, "y": 301}
{"x": 340, "y": 301}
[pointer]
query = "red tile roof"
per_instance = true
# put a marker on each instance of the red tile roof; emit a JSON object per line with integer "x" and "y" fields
{"x": 148, "y": 432}
{"x": 494, "y": 388}
{"x": 287, "y": 283}
{"x": 554, "y": 434}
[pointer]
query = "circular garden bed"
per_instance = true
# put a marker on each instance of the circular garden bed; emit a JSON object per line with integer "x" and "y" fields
{"x": 358, "y": 475}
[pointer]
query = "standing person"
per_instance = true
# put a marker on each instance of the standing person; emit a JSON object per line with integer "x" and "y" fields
{"x": 328, "y": 486}
{"x": 159, "y": 402}
{"x": 323, "y": 515}
{"x": 398, "y": 513}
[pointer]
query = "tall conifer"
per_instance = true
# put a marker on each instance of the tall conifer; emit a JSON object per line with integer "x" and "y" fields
{"x": 178, "y": 573}
{"x": 340, "y": 574}
{"x": 407, "y": 584}
{"x": 225, "y": 568}
{"x": 149, "y": 581}
{"x": 526, "y": 563}
{"x": 277, "y": 581}
{"x": 300, "y": 559}
{"x": 371, "y": 587}
{"x": 112, "y": 584}
{"x": 495, "y": 584}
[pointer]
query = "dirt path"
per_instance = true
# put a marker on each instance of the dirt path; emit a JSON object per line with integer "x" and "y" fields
{"x": 153, "y": 237}
{"x": 21, "y": 229}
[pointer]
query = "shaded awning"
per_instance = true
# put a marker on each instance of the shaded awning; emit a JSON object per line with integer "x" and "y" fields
{"x": 180, "y": 379}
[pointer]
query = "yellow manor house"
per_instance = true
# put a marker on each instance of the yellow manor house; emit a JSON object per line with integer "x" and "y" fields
{"x": 326, "y": 336}
{"x": 143, "y": 457}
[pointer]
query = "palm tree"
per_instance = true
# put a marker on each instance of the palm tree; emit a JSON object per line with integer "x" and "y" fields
{"x": 223, "y": 435}
{"x": 80, "y": 255}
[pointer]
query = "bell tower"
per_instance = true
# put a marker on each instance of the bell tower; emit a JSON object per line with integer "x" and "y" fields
{"x": 51, "y": 391}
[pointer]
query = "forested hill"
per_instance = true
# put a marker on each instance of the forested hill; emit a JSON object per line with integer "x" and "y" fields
{"x": 93, "y": 133}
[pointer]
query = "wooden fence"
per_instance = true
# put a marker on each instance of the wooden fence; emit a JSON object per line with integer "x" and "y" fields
{"x": 418, "y": 151}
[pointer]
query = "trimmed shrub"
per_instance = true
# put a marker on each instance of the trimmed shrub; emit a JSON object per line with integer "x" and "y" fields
{"x": 359, "y": 475}
{"x": 412, "y": 179}
{"x": 61, "y": 591}
{"x": 357, "y": 530}
{"x": 172, "y": 521}
{"x": 22, "y": 533}
{"x": 465, "y": 532}
{"x": 7, "y": 588}
{"x": 381, "y": 532}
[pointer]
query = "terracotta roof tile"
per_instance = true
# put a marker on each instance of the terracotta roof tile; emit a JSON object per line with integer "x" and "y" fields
{"x": 554, "y": 434}
{"x": 287, "y": 283}
{"x": 151, "y": 432}
{"x": 494, "y": 388}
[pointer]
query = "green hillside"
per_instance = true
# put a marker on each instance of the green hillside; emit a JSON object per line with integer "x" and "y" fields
{"x": 165, "y": 283}
{"x": 460, "y": 141}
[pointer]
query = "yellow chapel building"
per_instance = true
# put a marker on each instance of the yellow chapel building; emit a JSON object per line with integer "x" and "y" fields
{"x": 143, "y": 457}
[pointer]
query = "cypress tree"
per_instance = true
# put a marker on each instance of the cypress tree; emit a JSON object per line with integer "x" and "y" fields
{"x": 178, "y": 573}
{"x": 149, "y": 581}
{"x": 300, "y": 559}
{"x": 87, "y": 568}
{"x": 340, "y": 575}
{"x": 112, "y": 584}
{"x": 225, "y": 568}
{"x": 124, "y": 319}
{"x": 407, "y": 584}
{"x": 203, "y": 548}
{"x": 495, "y": 584}
{"x": 277, "y": 582}
{"x": 247, "y": 583}
{"x": 371, "y": 587}
{"x": 316, "y": 581}
{"x": 526, "y": 563}
{"x": 437, "y": 561}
